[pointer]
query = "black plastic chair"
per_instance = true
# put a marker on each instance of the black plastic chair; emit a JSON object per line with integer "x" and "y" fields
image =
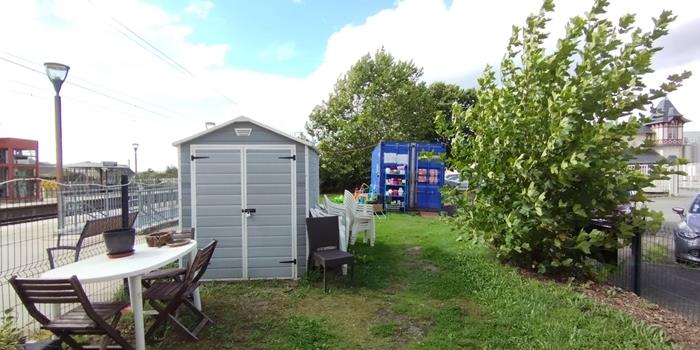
{"x": 324, "y": 246}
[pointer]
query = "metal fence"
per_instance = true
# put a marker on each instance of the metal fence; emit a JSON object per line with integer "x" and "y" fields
{"x": 690, "y": 182}
{"x": 31, "y": 224}
{"x": 675, "y": 185}
{"x": 662, "y": 267}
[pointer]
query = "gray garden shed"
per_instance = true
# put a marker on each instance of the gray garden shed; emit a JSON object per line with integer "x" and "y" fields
{"x": 250, "y": 187}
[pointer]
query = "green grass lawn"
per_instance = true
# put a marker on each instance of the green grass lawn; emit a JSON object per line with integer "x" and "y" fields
{"x": 416, "y": 288}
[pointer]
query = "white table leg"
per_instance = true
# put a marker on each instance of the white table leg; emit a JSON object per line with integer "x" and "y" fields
{"x": 135, "y": 294}
{"x": 55, "y": 313}
{"x": 55, "y": 310}
{"x": 195, "y": 295}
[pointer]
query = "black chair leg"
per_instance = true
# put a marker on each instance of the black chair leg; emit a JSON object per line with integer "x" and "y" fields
{"x": 325, "y": 290}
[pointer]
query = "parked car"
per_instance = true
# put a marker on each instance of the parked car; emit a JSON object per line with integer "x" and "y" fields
{"x": 687, "y": 234}
{"x": 452, "y": 179}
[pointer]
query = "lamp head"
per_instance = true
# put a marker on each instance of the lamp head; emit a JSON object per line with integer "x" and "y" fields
{"x": 57, "y": 73}
{"x": 135, "y": 145}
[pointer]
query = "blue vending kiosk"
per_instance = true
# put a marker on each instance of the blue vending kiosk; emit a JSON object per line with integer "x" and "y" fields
{"x": 406, "y": 177}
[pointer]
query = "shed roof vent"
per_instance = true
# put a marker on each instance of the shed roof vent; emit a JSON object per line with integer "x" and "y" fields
{"x": 243, "y": 131}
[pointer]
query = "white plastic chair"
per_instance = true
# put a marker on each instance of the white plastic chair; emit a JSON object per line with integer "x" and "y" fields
{"x": 360, "y": 217}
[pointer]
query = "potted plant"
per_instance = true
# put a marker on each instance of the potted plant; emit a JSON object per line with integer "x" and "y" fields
{"x": 119, "y": 242}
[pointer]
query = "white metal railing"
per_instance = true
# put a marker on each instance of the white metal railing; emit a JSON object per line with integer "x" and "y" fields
{"x": 676, "y": 184}
{"x": 23, "y": 243}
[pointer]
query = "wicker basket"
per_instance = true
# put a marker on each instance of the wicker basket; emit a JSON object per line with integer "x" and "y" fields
{"x": 159, "y": 239}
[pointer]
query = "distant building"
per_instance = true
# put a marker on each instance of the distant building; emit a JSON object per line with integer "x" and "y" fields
{"x": 666, "y": 131}
{"x": 19, "y": 159}
{"x": 47, "y": 171}
{"x": 692, "y": 143}
{"x": 102, "y": 173}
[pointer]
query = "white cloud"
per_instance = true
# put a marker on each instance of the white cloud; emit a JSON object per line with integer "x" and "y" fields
{"x": 199, "y": 9}
{"x": 297, "y": 1}
{"x": 452, "y": 43}
{"x": 280, "y": 52}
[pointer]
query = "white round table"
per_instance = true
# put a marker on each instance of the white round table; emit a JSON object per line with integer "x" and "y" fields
{"x": 145, "y": 259}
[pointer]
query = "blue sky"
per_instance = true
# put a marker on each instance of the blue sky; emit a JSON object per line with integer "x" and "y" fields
{"x": 283, "y": 37}
{"x": 276, "y": 60}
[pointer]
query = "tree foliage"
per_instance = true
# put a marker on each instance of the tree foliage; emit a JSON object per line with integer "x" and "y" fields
{"x": 379, "y": 98}
{"x": 152, "y": 176}
{"x": 447, "y": 97}
{"x": 546, "y": 150}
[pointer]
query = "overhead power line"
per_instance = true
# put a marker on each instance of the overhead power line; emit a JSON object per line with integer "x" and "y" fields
{"x": 155, "y": 51}
{"x": 43, "y": 97}
{"x": 133, "y": 105}
{"x": 73, "y": 99}
{"x": 21, "y": 65}
{"x": 101, "y": 87}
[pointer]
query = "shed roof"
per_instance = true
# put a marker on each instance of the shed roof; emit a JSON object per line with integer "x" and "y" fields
{"x": 240, "y": 120}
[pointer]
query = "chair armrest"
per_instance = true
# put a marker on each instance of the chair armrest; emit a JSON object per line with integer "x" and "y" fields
{"x": 165, "y": 273}
{"x": 66, "y": 247}
{"x": 49, "y": 252}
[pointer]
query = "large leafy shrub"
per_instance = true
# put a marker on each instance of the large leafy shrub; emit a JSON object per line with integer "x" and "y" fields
{"x": 546, "y": 149}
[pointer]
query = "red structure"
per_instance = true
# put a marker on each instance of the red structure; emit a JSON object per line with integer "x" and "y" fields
{"x": 19, "y": 159}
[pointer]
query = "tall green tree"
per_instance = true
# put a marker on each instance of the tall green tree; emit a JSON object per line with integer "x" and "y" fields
{"x": 379, "y": 98}
{"x": 447, "y": 98}
{"x": 548, "y": 146}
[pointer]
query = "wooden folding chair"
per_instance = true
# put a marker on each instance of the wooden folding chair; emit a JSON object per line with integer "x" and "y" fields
{"x": 85, "y": 319}
{"x": 168, "y": 297}
{"x": 175, "y": 272}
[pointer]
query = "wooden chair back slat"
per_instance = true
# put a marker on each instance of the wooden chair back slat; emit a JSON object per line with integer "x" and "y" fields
{"x": 97, "y": 226}
{"x": 43, "y": 291}
{"x": 200, "y": 263}
{"x": 53, "y": 292}
{"x": 65, "y": 291}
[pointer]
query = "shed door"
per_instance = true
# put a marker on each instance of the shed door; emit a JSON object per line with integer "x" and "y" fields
{"x": 217, "y": 199}
{"x": 269, "y": 190}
